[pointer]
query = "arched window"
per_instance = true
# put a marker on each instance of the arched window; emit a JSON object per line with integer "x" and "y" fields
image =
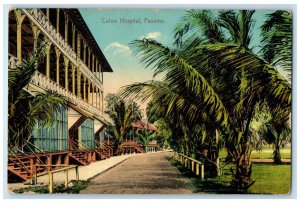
{"x": 70, "y": 33}
{"x": 27, "y": 38}
{"x": 52, "y": 63}
{"x": 42, "y": 61}
{"x": 62, "y": 22}
{"x": 81, "y": 86}
{"x": 12, "y": 48}
{"x": 70, "y": 81}
{"x": 53, "y": 16}
{"x": 62, "y": 70}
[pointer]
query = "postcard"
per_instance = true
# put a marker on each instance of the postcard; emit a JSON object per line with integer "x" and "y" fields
{"x": 149, "y": 101}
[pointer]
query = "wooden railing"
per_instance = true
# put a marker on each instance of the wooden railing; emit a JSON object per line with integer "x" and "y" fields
{"x": 191, "y": 164}
{"x": 66, "y": 171}
{"x": 132, "y": 143}
{"x": 104, "y": 146}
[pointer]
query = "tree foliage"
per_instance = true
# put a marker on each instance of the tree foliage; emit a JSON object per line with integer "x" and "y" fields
{"x": 25, "y": 109}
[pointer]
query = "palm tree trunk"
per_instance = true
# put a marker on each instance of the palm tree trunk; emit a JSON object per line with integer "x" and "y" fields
{"x": 242, "y": 177}
{"x": 276, "y": 153}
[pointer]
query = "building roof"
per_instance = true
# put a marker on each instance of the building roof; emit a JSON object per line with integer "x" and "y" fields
{"x": 144, "y": 124}
{"x": 82, "y": 27}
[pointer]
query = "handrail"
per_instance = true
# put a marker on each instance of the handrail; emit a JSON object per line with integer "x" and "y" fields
{"x": 36, "y": 147}
{"x": 190, "y": 165}
{"x": 57, "y": 170}
{"x": 35, "y": 153}
{"x": 25, "y": 167}
{"x": 76, "y": 143}
{"x": 66, "y": 179}
{"x": 192, "y": 159}
{"x": 77, "y": 149}
{"x": 105, "y": 146}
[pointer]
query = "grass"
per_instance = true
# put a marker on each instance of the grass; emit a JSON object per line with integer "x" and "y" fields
{"x": 76, "y": 187}
{"x": 266, "y": 153}
{"x": 269, "y": 179}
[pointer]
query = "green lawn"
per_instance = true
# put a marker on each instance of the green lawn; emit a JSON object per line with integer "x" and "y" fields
{"x": 266, "y": 153}
{"x": 269, "y": 179}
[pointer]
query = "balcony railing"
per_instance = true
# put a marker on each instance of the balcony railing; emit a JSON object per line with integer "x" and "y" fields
{"x": 45, "y": 83}
{"x": 44, "y": 24}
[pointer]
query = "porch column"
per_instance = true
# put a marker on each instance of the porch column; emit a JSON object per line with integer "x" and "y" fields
{"x": 102, "y": 103}
{"x": 84, "y": 53}
{"x": 19, "y": 18}
{"x": 78, "y": 45}
{"x": 66, "y": 61}
{"x": 48, "y": 48}
{"x": 89, "y": 60}
{"x": 92, "y": 95}
{"x": 99, "y": 102}
{"x": 89, "y": 92}
{"x": 84, "y": 89}
{"x": 57, "y": 51}
{"x": 78, "y": 82}
{"x": 73, "y": 78}
{"x": 36, "y": 33}
{"x": 57, "y": 19}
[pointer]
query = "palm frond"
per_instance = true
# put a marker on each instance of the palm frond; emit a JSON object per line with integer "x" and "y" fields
{"x": 180, "y": 74}
{"x": 277, "y": 40}
{"x": 200, "y": 23}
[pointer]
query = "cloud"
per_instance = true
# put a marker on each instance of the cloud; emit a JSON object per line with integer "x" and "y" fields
{"x": 116, "y": 48}
{"x": 152, "y": 35}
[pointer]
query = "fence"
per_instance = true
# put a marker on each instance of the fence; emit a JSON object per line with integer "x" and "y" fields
{"x": 50, "y": 174}
{"x": 191, "y": 164}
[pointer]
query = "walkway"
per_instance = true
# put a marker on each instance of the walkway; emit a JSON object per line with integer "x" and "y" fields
{"x": 85, "y": 172}
{"x": 148, "y": 173}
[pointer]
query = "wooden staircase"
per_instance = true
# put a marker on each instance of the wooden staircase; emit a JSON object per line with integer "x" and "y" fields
{"x": 24, "y": 166}
{"x": 20, "y": 167}
{"x": 80, "y": 156}
{"x": 132, "y": 144}
{"x": 103, "y": 150}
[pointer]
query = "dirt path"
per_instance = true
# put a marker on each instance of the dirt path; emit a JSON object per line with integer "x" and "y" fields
{"x": 146, "y": 174}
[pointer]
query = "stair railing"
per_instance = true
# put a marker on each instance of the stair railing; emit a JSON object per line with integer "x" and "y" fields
{"x": 76, "y": 146}
{"x": 37, "y": 157}
{"x": 104, "y": 146}
{"x": 20, "y": 161}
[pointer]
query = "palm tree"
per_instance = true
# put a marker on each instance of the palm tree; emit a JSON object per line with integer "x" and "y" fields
{"x": 145, "y": 136}
{"x": 274, "y": 128}
{"x": 122, "y": 114}
{"x": 213, "y": 80}
{"x": 277, "y": 40}
{"x": 25, "y": 109}
{"x": 242, "y": 62}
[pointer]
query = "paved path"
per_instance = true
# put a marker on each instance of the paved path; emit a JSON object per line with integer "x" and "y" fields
{"x": 285, "y": 161}
{"x": 85, "y": 172}
{"x": 148, "y": 173}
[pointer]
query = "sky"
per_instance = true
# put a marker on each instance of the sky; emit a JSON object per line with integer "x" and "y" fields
{"x": 114, "y": 39}
{"x": 115, "y": 29}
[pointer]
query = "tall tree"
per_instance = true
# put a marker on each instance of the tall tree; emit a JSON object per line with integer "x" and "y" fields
{"x": 213, "y": 79}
